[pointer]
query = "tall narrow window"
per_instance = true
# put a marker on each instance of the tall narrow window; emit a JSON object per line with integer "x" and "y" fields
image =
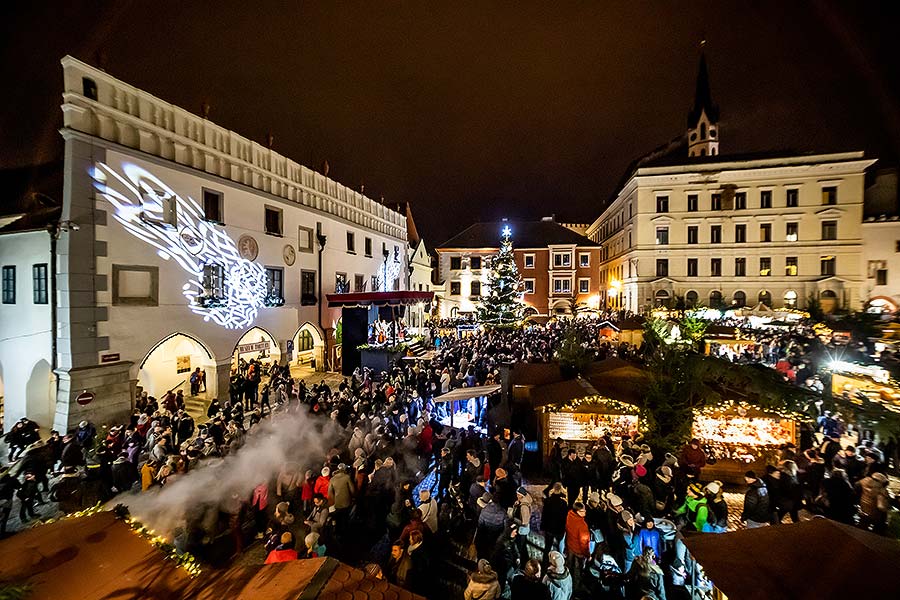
{"x": 273, "y": 221}
{"x": 662, "y": 204}
{"x": 829, "y": 230}
{"x": 475, "y": 263}
{"x": 740, "y": 201}
{"x": 662, "y": 267}
{"x": 213, "y": 281}
{"x": 39, "y": 275}
{"x": 715, "y": 202}
{"x": 662, "y": 236}
{"x": 740, "y": 267}
{"x": 765, "y": 232}
{"x": 307, "y": 288}
{"x": 790, "y": 266}
{"x": 828, "y": 265}
{"x": 475, "y": 289}
{"x": 765, "y": 266}
{"x": 829, "y": 195}
{"x": 765, "y": 199}
{"x": 692, "y": 204}
{"x": 212, "y": 206}
{"x": 369, "y": 247}
{"x": 351, "y": 242}
{"x": 275, "y": 282}
{"x": 792, "y": 232}
{"x": 9, "y": 285}
{"x": 692, "y": 235}
{"x": 715, "y": 267}
{"x": 740, "y": 233}
{"x": 715, "y": 234}
{"x": 692, "y": 267}
{"x": 792, "y": 198}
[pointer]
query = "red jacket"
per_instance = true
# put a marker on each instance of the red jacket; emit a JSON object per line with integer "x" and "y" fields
{"x": 277, "y": 556}
{"x": 578, "y": 536}
{"x": 321, "y": 486}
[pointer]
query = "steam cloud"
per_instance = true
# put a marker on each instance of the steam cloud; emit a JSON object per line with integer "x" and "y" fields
{"x": 293, "y": 437}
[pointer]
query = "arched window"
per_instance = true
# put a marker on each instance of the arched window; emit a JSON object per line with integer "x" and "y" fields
{"x": 715, "y": 299}
{"x": 739, "y": 299}
{"x": 662, "y": 298}
{"x": 790, "y": 299}
{"x": 304, "y": 341}
{"x": 765, "y": 297}
{"x": 828, "y": 294}
{"x": 702, "y": 131}
{"x": 690, "y": 299}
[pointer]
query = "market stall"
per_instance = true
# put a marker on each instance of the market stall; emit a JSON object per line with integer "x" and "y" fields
{"x": 738, "y": 436}
{"x": 582, "y": 418}
{"x": 465, "y": 406}
{"x": 851, "y": 380}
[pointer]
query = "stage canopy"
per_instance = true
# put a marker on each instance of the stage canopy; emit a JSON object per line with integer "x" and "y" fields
{"x": 365, "y": 299}
{"x": 467, "y": 393}
{"x": 810, "y": 560}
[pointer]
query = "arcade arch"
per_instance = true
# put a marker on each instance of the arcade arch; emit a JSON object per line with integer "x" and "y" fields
{"x": 171, "y": 361}
{"x": 258, "y": 344}
{"x": 309, "y": 345}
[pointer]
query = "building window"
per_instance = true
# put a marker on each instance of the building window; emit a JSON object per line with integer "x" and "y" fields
{"x": 351, "y": 242}
{"x": 213, "y": 281}
{"x": 829, "y": 195}
{"x": 307, "y": 288}
{"x": 305, "y": 239}
{"x": 662, "y": 236}
{"x": 764, "y": 297}
{"x": 475, "y": 289}
{"x": 790, "y": 299}
{"x": 739, "y": 299}
{"x": 740, "y": 233}
{"x": 39, "y": 277}
{"x": 528, "y": 261}
{"x": 715, "y": 299}
{"x": 275, "y": 282}
{"x": 740, "y": 201}
{"x": 455, "y": 288}
{"x": 89, "y": 88}
{"x": 715, "y": 202}
{"x": 765, "y": 199}
{"x": 662, "y": 267}
{"x": 475, "y": 263}
{"x": 715, "y": 267}
{"x": 690, "y": 299}
{"x": 829, "y": 230}
{"x": 792, "y": 232}
{"x": 584, "y": 259}
{"x": 304, "y": 341}
{"x": 765, "y": 266}
{"x": 662, "y": 204}
{"x": 562, "y": 259}
{"x": 715, "y": 234}
{"x": 159, "y": 207}
{"x": 9, "y": 285}
{"x": 790, "y": 266}
{"x": 562, "y": 286}
{"x": 584, "y": 285}
{"x": 693, "y": 235}
{"x": 692, "y": 270}
{"x": 213, "y": 206}
{"x": 359, "y": 283}
{"x": 827, "y": 265}
{"x": 341, "y": 283}
{"x": 692, "y": 203}
{"x": 455, "y": 263}
{"x": 273, "y": 221}
{"x": 740, "y": 267}
{"x": 529, "y": 286}
{"x": 881, "y": 277}
{"x": 765, "y": 232}
{"x": 792, "y": 198}
{"x": 368, "y": 247}
{"x": 874, "y": 265}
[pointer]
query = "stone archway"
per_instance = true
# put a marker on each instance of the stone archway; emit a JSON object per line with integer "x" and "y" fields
{"x": 169, "y": 364}
{"x": 258, "y": 344}
{"x": 309, "y": 346}
{"x": 40, "y": 404}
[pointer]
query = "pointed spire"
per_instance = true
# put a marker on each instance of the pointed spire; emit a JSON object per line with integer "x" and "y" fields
{"x": 703, "y": 95}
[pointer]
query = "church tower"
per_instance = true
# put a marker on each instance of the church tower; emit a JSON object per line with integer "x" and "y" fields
{"x": 703, "y": 119}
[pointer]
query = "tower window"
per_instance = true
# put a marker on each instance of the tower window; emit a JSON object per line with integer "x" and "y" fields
{"x": 89, "y": 88}
{"x": 702, "y": 131}
{"x": 712, "y": 133}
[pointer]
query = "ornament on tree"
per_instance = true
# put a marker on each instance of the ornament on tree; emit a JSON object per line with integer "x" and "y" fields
{"x": 502, "y": 306}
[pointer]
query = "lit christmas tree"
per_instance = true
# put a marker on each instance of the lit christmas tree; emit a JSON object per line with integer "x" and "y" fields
{"x": 502, "y": 307}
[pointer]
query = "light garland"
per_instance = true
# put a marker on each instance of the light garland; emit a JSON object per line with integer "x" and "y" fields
{"x": 605, "y": 402}
{"x": 729, "y": 432}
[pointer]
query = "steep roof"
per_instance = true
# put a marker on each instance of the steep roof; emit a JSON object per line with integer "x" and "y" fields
{"x": 525, "y": 234}
{"x": 412, "y": 234}
{"x": 30, "y": 197}
{"x": 703, "y": 97}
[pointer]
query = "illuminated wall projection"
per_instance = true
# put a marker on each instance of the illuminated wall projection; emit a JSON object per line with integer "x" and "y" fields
{"x": 221, "y": 286}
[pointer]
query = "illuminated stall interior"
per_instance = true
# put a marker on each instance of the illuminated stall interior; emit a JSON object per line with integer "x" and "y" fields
{"x": 257, "y": 344}
{"x": 463, "y": 406}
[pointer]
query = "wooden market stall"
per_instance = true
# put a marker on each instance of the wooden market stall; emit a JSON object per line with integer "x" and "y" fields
{"x": 739, "y": 436}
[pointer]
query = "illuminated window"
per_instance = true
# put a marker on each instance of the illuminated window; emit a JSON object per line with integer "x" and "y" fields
{"x": 790, "y": 299}
{"x": 562, "y": 259}
{"x": 584, "y": 259}
{"x": 9, "y": 285}
{"x": 213, "y": 281}
{"x": 275, "y": 282}
{"x": 39, "y": 277}
{"x": 562, "y": 286}
{"x": 829, "y": 195}
{"x": 528, "y": 261}
{"x": 765, "y": 266}
{"x": 341, "y": 283}
{"x": 584, "y": 285}
{"x": 304, "y": 341}
{"x": 792, "y": 232}
{"x": 765, "y": 232}
{"x": 790, "y": 266}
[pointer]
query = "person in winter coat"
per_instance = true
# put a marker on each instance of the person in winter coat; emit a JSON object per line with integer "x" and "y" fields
{"x": 553, "y": 517}
{"x": 341, "y": 489}
{"x": 483, "y": 583}
{"x": 650, "y": 537}
{"x": 790, "y": 498}
{"x": 646, "y": 579}
{"x": 571, "y": 474}
{"x": 418, "y": 575}
{"x": 322, "y": 482}
{"x": 527, "y": 585}
{"x": 874, "y": 502}
{"x": 259, "y": 501}
{"x": 717, "y": 519}
{"x": 558, "y": 579}
{"x": 757, "y": 511}
{"x": 641, "y": 495}
{"x": 124, "y": 474}
{"x": 504, "y": 489}
{"x": 521, "y": 515}
{"x": 429, "y": 509}
{"x": 695, "y": 509}
{"x": 663, "y": 491}
{"x": 491, "y": 523}
{"x": 839, "y": 497}
{"x": 318, "y": 516}
{"x": 284, "y": 551}
{"x": 692, "y": 459}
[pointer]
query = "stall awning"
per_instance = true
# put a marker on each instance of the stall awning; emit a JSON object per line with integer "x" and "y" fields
{"x": 467, "y": 393}
{"x": 801, "y": 561}
{"x": 401, "y": 298}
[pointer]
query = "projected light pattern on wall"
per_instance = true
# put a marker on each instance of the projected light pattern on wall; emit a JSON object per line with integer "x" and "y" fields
{"x": 221, "y": 286}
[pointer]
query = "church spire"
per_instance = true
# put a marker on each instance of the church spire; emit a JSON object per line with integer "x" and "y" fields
{"x": 703, "y": 118}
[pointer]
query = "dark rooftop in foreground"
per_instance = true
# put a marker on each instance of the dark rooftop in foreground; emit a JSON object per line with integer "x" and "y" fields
{"x": 525, "y": 234}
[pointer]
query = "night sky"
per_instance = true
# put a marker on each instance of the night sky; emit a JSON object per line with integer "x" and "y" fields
{"x": 472, "y": 111}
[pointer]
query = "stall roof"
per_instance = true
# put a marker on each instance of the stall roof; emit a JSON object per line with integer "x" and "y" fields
{"x": 561, "y": 392}
{"x": 620, "y": 380}
{"x": 467, "y": 393}
{"x": 801, "y": 561}
{"x": 535, "y": 373}
{"x": 98, "y": 556}
{"x": 401, "y": 298}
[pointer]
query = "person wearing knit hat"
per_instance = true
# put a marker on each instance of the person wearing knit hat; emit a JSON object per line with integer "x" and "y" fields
{"x": 717, "y": 521}
{"x": 483, "y": 583}
{"x": 640, "y": 470}
{"x": 694, "y": 512}
{"x": 558, "y": 579}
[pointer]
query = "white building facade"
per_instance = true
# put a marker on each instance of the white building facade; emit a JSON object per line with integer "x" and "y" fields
{"x": 727, "y": 232}
{"x": 194, "y": 247}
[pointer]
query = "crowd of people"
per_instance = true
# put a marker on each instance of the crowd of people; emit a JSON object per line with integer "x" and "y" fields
{"x": 400, "y": 493}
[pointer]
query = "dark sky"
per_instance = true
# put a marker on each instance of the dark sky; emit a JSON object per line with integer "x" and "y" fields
{"x": 472, "y": 111}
